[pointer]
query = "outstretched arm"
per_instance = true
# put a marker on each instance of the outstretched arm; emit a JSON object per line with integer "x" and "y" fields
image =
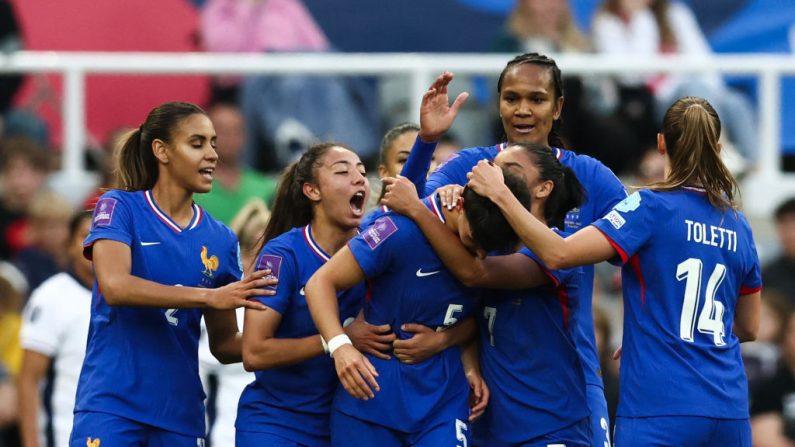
{"x": 436, "y": 117}
{"x": 587, "y": 246}
{"x": 341, "y": 272}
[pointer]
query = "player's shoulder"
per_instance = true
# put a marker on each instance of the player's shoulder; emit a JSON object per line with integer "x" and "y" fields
{"x": 390, "y": 225}
{"x": 57, "y": 291}
{"x": 286, "y": 242}
{"x": 215, "y": 226}
{"x": 585, "y": 164}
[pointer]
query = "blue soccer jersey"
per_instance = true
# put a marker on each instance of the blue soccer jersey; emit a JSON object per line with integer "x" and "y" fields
{"x": 602, "y": 191}
{"x": 685, "y": 265}
{"x": 408, "y": 283}
{"x": 294, "y": 401}
{"x": 142, "y": 362}
{"x": 529, "y": 360}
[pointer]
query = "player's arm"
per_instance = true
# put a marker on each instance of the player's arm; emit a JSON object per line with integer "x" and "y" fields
{"x": 478, "y": 390}
{"x": 223, "y": 335}
{"x": 587, "y": 246}
{"x": 425, "y": 342}
{"x": 768, "y": 431}
{"x": 34, "y": 368}
{"x": 112, "y": 267}
{"x": 341, "y": 272}
{"x": 513, "y": 271}
{"x": 746, "y": 316}
{"x": 262, "y": 350}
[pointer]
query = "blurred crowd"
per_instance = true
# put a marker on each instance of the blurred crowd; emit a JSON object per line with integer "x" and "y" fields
{"x": 264, "y": 122}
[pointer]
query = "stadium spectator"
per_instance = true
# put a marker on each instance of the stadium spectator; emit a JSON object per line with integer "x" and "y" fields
{"x": 773, "y": 404}
{"x": 318, "y": 209}
{"x": 23, "y": 170}
{"x": 53, "y": 338}
{"x": 761, "y": 356}
{"x": 520, "y": 303}
{"x": 779, "y": 274}
{"x": 8, "y": 409}
{"x": 10, "y": 41}
{"x": 47, "y": 235}
{"x": 531, "y": 99}
{"x": 661, "y": 286}
{"x": 588, "y": 121}
{"x": 161, "y": 263}
{"x": 234, "y": 184}
{"x": 656, "y": 27}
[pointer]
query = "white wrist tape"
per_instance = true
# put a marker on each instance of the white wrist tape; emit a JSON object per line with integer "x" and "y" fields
{"x": 336, "y": 342}
{"x": 325, "y": 345}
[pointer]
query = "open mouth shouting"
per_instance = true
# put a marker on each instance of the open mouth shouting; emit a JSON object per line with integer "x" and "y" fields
{"x": 207, "y": 173}
{"x": 357, "y": 203}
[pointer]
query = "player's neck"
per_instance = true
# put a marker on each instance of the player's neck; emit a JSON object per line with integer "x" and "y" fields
{"x": 451, "y": 218}
{"x": 174, "y": 201}
{"x": 329, "y": 236}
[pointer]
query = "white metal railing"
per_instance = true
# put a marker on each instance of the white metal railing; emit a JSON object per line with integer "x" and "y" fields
{"x": 762, "y": 190}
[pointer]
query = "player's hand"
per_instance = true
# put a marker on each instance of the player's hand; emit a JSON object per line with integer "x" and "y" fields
{"x": 356, "y": 373}
{"x": 436, "y": 113}
{"x": 238, "y": 293}
{"x": 423, "y": 344}
{"x": 478, "y": 395}
{"x": 486, "y": 179}
{"x": 401, "y": 196}
{"x": 374, "y": 340}
{"x": 449, "y": 195}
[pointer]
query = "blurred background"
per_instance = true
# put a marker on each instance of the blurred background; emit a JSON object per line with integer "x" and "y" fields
{"x": 325, "y": 75}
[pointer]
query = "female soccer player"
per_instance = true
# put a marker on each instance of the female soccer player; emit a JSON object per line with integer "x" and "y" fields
{"x": 319, "y": 206}
{"x": 530, "y": 103}
{"x": 160, "y": 264}
{"x": 691, "y": 286}
{"x": 528, "y": 356}
{"x": 425, "y": 403}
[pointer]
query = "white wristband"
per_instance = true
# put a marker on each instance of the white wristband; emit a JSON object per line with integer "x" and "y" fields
{"x": 325, "y": 345}
{"x": 336, "y": 342}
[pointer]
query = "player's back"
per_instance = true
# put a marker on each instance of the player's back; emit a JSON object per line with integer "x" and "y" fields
{"x": 142, "y": 362}
{"x": 686, "y": 263}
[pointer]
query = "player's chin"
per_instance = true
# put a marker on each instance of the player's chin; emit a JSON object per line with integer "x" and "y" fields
{"x": 202, "y": 187}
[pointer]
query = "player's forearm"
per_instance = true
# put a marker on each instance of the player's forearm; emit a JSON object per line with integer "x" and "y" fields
{"x": 129, "y": 290}
{"x": 280, "y": 352}
{"x": 28, "y": 411}
{"x": 419, "y": 161}
{"x": 321, "y": 298}
{"x": 461, "y": 333}
{"x": 461, "y": 263}
{"x": 470, "y": 356}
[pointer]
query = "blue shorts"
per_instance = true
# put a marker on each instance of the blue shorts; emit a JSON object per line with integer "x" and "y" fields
{"x": 347, "y": 430}
{"x": 600, "y": 419}
{"x": 92, "y": 429}
{"x": 574, "y": 435}
{"x": 682, "y": 431}
{"x": 256, "y": 439}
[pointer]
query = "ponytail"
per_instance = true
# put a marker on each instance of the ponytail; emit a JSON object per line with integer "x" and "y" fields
{"x": 691, "y": 129}
{"x": 138, "y": 168}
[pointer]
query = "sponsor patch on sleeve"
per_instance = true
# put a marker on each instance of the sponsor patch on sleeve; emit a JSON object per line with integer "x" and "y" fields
{"x": 272, "y": 263}
{"x": 379, "y": 232}
{"x": 103, "y": 213}
{"x": 615, "y": 219}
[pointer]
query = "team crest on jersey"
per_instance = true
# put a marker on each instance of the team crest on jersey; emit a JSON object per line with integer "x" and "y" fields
{"x": 92, "y": 442}
{"x": 211, "y": 263}
{"x": 631, "y": 203}
{"x": 272, "y": 263}
{"x": 103, "y": 212}
{"x": 379, "y": 232}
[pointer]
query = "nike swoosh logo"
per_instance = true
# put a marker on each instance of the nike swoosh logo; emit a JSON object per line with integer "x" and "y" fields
{"x": 421, "y": 274}
{"x": 146, "y": 244}
{"x": 302, "y": 292}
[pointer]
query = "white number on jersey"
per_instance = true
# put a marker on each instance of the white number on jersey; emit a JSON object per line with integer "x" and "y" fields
{"x": 710, "y": 320}
{"x": 460, "y": 433}
{"x": 490, "y": 313}
{"x": 449, "y": 319}
{"x": 172, "y": 320}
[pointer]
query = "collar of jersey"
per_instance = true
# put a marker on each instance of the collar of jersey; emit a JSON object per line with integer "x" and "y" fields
{"x": 313, "y": 245}
{"x": 197, "y": 214}
{"x": 696, "y": 189}
{"x": 434, "y": 203}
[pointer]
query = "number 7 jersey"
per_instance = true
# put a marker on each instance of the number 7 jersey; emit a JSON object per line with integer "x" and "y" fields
{"x": 685, "y": 266}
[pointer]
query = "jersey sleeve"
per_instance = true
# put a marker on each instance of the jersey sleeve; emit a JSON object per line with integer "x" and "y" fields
{"x": 418, "y": 163}
{"x": 234, "y": 261}
{"x": 558, "y": 277}
{"x": 453, "y": 171}
{"x": 610, "y": 192}
{"x": 281, "y": 262}
{"x": 112, "y": 220}
{"x": 377, "y": 245}
{"x": 752, "y": 282}
{"x": 629, "y": 224}
{"x": 42, "y": 325}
